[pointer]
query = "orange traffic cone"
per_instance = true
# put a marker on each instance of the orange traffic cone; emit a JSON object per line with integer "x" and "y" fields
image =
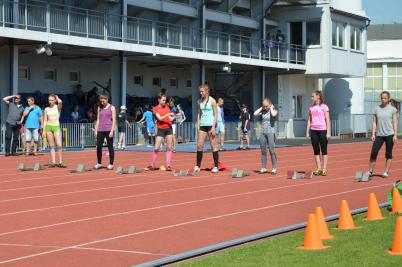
{"x": 397, "y": 243}
{"x": 396, "y": 201}
{"x": 312, "y": 240}
{"x": 345, "y": 221}
{"x": 373, "y": 211}
{"x": 322, "y": 224}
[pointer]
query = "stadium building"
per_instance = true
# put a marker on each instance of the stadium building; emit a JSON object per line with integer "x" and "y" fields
{"x": 244, "y": 49}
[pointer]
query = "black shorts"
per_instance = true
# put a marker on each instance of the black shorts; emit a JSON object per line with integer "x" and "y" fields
{"x": 164, "y": 132}
{"x": 206, "y": 129}
{"x": 121, "y": 129}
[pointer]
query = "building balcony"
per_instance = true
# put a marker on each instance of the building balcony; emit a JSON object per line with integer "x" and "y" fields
{"x": 44, "y": 21}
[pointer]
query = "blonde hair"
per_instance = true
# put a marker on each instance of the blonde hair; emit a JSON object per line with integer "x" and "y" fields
{"x": 205, "y": 87}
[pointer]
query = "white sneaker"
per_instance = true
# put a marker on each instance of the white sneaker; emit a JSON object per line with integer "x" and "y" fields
{"x": 97, "y": 166}
{"x": 123, "y": 147}
{"x": 110, "y": 167}
{"x": 263, "y": 170}
{"x": 215, "y": 170}
{"x": 273, "y": 171}
{"x": 385, "y": 175}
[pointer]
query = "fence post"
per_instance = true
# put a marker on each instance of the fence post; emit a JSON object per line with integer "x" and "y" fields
{"x": 3, "y": 138}
{"x": 82, "y": 131}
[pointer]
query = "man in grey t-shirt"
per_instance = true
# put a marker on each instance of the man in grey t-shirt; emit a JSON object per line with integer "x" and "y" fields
{"x": 13, "y": 124}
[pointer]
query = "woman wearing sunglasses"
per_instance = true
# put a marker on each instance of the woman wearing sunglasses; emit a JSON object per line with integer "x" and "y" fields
{"x": 268, "y": 115}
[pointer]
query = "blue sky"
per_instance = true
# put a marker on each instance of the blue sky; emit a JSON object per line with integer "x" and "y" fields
{"x": 384, "y": 11}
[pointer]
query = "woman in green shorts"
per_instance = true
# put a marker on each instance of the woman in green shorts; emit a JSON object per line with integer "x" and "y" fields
{"x": 51, "y": 124}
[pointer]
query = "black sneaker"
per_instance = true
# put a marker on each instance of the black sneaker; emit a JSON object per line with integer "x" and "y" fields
{"x": 7, "y": 154}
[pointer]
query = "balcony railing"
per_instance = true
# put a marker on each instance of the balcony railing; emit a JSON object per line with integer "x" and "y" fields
{"x": 73, "y": 21}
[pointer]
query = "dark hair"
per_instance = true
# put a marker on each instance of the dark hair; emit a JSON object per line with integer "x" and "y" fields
{"x": 52, "y": 95}
{"x": 319, "y": 93}
{"x": 103, "y": 96}
{"x": 172, "y": 100}
{"x": 388, "y": 95}
{"x": 160, "y": 96}
{"x": 146, "y": 107}
{"x": 31, "y": 97}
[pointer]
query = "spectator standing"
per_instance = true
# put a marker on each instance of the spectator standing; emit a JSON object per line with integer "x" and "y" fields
{"x": 13, "y": 123}
{"x": 121, "y": 126}
{"x": 33, "y": 120}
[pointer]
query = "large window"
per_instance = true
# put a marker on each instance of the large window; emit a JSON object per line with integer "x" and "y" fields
{"x": 395, "y": 80}
{"x": 313, "y": 32}
{"x": 373, "y": 82}
{"x": 355, "y": 38}
{"x": 338, "y": 34}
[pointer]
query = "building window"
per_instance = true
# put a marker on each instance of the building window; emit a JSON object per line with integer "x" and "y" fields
{"x": 173, "y": 82}
{"x": 373, "y": 84}
{"x": 395, "y": 80}
{"x": 156, "y": 81}
{"x": 23, "y": 73}
{"x": 50, "y": 75}
{"x": 313, "y": 32}
{"x": 297, "y": 105}
{"x": 74, "y": 76}
{"x": 355, "y": 39}
{"x": 188, "y": 83}
{"x": 338, "y": 34}
{"x": 138, "y": 80}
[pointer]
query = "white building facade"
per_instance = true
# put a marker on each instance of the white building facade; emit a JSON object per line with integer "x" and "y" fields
{"x": 143, "y": 46}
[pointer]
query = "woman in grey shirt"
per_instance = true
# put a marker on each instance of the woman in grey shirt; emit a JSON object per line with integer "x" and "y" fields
{"x": 385, "y": 128}
{"x": 268, "y": 115}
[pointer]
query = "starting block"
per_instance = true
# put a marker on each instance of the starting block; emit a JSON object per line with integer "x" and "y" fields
{"x": 181, "y": 173}
{"x": 297, "y": 175}
{"x": 79, "y": 169}
{"x": 236, "y": 173}
{"x": 23, "y": 168}
{"x": 362, "y": 177}
{"x": 131, "y": 170}
{"x": 185, "y": 173}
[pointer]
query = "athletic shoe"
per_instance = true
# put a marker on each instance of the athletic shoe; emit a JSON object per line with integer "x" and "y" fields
{"x": 385, "y": 175}
{"x": 8, "y": 154}
{"x": 222, "y": 149}
{"x": 168, "y": 169}
{"x": 324, "y": 173}
{"x": 273, "y": 171}
{"x": 52, "y": 165}
{"x": 317, "y": 172}
{"x": 215, "y": 170}
{"x": 149, "y": 168}
{"x": 98, "y": 166}
{"x": 123, "y": 147}
{"x": 61, "y": 165}
{"x": 370, "y": 173}
{"x": 110, "y": 167}
{"x": 263, "y": 170}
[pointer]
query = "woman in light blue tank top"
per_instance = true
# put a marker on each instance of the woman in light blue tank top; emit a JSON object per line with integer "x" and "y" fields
{"x": 206, "y": 122}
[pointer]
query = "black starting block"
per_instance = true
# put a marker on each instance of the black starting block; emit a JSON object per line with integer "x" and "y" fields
{"x": 236, "y": 173}
{"x": 297, "y": 175}
{"x": 362, "y": 177}
{"x": 131, "y": 170}
{"x": 23, "y": 167}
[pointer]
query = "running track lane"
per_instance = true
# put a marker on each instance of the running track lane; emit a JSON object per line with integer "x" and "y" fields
{"x": 101, "y": 219}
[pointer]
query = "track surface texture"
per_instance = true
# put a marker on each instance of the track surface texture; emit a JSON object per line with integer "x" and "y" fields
{"x": 98, "y": 218}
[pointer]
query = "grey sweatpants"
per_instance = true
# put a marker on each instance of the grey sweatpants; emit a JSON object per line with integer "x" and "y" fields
{"x": 268, "y": 139}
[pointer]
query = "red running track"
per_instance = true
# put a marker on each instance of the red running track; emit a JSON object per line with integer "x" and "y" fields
{"x": 54, "y": 218}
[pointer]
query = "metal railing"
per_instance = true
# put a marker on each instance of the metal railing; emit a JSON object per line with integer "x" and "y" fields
{"x": 73, "y": 21}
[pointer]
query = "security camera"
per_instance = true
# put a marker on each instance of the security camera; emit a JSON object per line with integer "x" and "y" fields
{"x": 227, "y": 68}
{"x": 44, "y": 49}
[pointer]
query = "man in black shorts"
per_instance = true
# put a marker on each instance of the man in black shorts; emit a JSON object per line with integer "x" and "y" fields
{"x": 245, "y": 118}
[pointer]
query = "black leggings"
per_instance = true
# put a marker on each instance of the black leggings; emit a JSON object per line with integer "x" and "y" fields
{"x": 100, "y": 137}
{"x": 378, "y": 142}
{"x": 319, "y": 141}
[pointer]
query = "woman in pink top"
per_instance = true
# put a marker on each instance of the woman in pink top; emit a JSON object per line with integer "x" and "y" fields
{"x": 319, "y": 131}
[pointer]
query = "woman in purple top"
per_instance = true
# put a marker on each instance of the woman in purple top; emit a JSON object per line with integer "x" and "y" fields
{"x": 319, "y": 131}
{"x": 104, "y": 128}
